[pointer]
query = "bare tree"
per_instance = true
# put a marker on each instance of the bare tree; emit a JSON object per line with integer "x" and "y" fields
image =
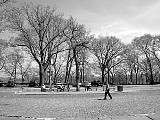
{"x": 40, "y": 30}
{"x": 2, "y": 48}
{"x": 12, "y": 60}
{"x": 4, "y": 2}
{"x": 57, "y": 66}
{"x": 68, "y": 66}
{"x": 83, "y": 62}
{"x": 143, "y": 44}
{"x": 24, "y": 69}
{"x": 78, "y": 38}
{"x": 106, "y": 50}
{"x": 155, "y": 48}
{"x": 132, "y": 56}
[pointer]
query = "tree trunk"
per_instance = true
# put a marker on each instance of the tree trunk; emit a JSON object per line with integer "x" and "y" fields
{"x": 77, "y": 69}
{"x": 41, "y": 75}
{"x": 126, "y": 76}
{"x": 15, "y": 73}
{"x": 136, "y": 78}
{"x": 108, "y": 80}
{"x": 22, "y": 78}
{"x": 103, "y": 75}
{"x": 67, "y": 68}
{"x": 150, "y": 69}
{"x": 159, "y": 77}
{"x": 131, "y": 76}
{"x": 67, "y": 72}
{"x": 83, "y": 71}
{"x": 141, "y": 78}
{"x": 81, "y": 75}
{"x": 77, "y": 75}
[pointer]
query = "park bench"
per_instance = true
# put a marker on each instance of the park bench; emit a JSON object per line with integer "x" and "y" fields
{"x": 60, "y": 88}
{"x": 87, "y": 88}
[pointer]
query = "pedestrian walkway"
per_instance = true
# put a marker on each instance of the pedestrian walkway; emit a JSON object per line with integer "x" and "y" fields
{"x": 126, "y": 88}
{"x": 35, "y": 91}
{"x": 135, "y": 117}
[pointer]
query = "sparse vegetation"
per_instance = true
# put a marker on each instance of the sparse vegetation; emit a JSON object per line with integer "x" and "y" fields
{"x": 65, "y": 51}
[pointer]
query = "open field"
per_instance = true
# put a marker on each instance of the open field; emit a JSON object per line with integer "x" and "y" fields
{"x": 91, "y": 105}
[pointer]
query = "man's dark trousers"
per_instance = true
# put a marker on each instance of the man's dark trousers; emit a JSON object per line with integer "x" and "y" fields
{"x": 107, "y": 92}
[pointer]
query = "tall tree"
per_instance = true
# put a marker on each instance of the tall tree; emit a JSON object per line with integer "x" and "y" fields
{"x": 78, "y": 37}
{"x": 106, "y": 49}
{"x": 3, "y": 45}
{"x": 12, "y": 60}
{"x": 144, "y": 45}
{"x": 4, "y": 2}
{"x": 68, "y": 66}
{"x": 40, "y": 29}
{"x": 130, "y": 60}
{"x": 24, "y": 68}
{"x": 155, "y": 48}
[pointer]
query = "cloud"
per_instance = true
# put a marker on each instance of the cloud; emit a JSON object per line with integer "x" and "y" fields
{"x": 129, "y": 35}
{"x": 118, "y": 29}
{"x": 145, "y": 21}
{"x": 148, "y": 19}
{"x": 122, "y": 30}
{"x": 124, "y": 19}
{"x": 103, "y": 27}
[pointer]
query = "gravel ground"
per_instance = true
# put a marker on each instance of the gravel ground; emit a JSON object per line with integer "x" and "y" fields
{"x": 80, "y": 106}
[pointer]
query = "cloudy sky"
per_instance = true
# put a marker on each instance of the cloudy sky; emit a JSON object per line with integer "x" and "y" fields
{"x": 124, "y": 19}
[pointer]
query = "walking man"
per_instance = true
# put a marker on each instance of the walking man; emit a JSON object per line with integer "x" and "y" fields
{"x": 107, "y": 92}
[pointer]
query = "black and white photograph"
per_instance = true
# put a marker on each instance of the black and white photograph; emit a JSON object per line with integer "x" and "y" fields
{"x": 79, "y": 59}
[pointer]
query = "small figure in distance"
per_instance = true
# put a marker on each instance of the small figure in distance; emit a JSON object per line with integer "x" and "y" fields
{"x": 107, "y": 92}
{"x": 43, "y": 86}
{"x": 68, "y": 87}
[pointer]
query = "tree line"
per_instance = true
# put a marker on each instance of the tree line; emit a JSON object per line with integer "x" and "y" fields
{"x": 65, "y": 50}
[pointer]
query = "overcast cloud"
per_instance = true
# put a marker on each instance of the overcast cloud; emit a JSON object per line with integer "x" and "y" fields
{"x": 124, "y": 19}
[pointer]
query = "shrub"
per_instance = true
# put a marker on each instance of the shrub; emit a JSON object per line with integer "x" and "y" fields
{"x": 32, "y": 84}
{"x": 10, "y": 84}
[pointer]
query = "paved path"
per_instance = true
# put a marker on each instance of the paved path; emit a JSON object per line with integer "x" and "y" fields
{"x": 126, "y": 88}
{"x": 139, "y": 117}
{"x": 99, "y": 91}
